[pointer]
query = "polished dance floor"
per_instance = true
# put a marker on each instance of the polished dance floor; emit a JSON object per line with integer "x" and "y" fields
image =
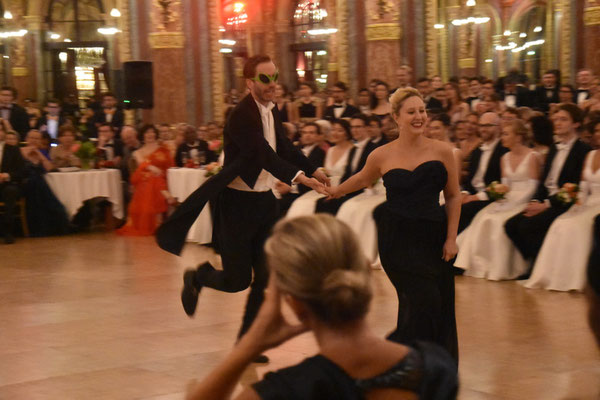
{"x": 97, "y": 316}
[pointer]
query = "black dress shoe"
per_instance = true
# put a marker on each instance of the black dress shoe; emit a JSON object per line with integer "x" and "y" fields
{"x": 9, "y": 239}
{"x": 262, "y": 359}
{"x": 190, "y": 292}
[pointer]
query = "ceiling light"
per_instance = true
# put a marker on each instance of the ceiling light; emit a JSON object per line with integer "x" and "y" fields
{"x": 226, "y": 50}
{"x": 522, "y": 35}
{"x": 507, "y": 33}
{"x": 439, "y": 26}
{"x": 115, "y": 13}
{"x": 537, "y": 29}
{"x": 8, "y": 15}
{"x": 227, "y": 42}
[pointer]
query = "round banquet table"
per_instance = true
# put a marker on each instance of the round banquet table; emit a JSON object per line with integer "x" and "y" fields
{"x": 182, "y": 182}
{"x": 73, "y": 188}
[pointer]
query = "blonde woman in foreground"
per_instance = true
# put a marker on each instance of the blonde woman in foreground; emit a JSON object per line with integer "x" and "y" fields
{"x": 318, "y": 269}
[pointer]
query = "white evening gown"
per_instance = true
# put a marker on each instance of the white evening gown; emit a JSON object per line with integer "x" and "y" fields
{"x": 358, "y": 214}
{"x": 562, "y": 261}
{"x": 484, "y": 249}
{"x": 306, "y": 204}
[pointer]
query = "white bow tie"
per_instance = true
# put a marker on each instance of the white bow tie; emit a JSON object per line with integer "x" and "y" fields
{"x": 562, "y": 146}
{"x": 485, "y": 147}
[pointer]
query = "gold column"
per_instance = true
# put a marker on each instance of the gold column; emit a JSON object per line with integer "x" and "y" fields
{"x": 125, "y": 35}
{"x": 565, "y": 39}
{"x": 269, "y": 36}
{"x": 342, "y": 39}
{"x": 432, "y": 37}
{"x": 216, "y": 61}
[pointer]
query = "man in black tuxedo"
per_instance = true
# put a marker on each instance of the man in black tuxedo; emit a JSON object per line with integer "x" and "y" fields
{"x": 11, "y": 173}
{"x": 484, "y": 169}
{"x": 310, "y": 137}
{"x": 109, "y": 113}
{"x": 193, "y": 148}
{"x": 375, "y": 127}
{"x": 547, "y": 93}
{"x": 256, "y": 152}
{"x": 515, "y": 95}
{"x": 356, "y": 161}
{"x": 431, "y": 103}
{"x": 52, "y": 120}
{"x": 340, "y": 107}
{"x": 585, "y": 78}
{"x": 12, "y": 112}
{"x": 564, "y": 164}
{"x": 109, "y": 148}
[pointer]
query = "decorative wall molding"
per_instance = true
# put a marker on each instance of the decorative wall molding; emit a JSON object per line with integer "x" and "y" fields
{"x": 591, "y": 16}
{"x": 388, "y": 31}
{"x": 431, "y": 37}
{"x": 166, "y": 40}
{"x": 342, "y": 39}
{"x": 20, "y": 71}
{"x": 465, "y": 63}
{"x": 216, "y": 61}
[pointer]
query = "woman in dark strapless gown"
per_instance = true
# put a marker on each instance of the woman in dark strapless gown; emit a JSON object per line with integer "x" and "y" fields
{"x": 417, "y": 237}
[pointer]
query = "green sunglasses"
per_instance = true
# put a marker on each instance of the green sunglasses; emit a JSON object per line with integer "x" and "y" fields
{"x": 266, "y": 78}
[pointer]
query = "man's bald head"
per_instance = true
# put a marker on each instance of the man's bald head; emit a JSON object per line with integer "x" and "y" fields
{"x": 489, "y": 126}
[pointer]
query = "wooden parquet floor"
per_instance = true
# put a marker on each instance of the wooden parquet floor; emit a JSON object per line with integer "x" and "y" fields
{"x": 97, "y": 316}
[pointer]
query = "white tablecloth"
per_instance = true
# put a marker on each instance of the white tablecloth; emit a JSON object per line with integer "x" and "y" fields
{"x": 73, "y": 188}
{"x": 182, "y": 182}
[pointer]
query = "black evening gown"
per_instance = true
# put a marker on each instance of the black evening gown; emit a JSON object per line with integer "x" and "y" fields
{"x": 411, "y": 228}
{"x": 427, "y": 370}
{"x": 46, "y": 216}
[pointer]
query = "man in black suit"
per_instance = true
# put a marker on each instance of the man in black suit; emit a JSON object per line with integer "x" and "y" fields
{"x": 110, "y": 149}
{"x": 484, "y": 169}
{"x": 585, "y": 79}
{"x": 375, "y": 131}
{"x": 564, "y": 164}
{"x": 515, "y": 95}
{"x": 256, "y": 152}
{"x": 431, "y": 103}
{"x": 310, "y": 137}
{"x": 547, "y": 93}
{"x": 340, "y": 107}
{"x": 12, "y": 112}
{"x": 11, "y": 174}
{"x": 194, "y": 149}
{"x": 109, "y": 113}
{"x": 52, "y": 120}
{"x": 356, "y": 161}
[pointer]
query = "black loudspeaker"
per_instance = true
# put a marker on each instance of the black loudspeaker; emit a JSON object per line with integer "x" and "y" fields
{"x": 137, "y": 78}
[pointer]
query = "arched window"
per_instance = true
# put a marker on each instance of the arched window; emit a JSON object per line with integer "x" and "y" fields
{"x": 76, "y": 20}
{"x": 309, "y": 24}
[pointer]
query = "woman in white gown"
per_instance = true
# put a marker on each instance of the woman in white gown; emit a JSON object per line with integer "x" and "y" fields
{"x": 335, "y": 164}
{"x": 485, "y": 251}
{"x": 563, "y": 258}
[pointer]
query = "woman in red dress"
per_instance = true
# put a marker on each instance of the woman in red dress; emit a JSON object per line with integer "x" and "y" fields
{"x": 150, "y": 195}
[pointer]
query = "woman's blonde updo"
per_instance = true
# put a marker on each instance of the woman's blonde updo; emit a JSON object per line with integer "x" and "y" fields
{"x": 519, "y": 128}
{"x": 401, "y": 95}
{"x": 318, "y": 260}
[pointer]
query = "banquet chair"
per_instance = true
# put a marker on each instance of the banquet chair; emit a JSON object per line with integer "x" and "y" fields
{"x": 22, "y": 215}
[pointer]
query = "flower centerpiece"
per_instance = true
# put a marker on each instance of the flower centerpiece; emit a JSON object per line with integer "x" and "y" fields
{"x": 497, "y": 191}
{"x": 568, "y": 194}
{"x": 212, "y": 169}
{"x": 86, "y": 152}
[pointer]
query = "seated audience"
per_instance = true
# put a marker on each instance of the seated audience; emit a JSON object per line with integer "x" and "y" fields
{"x": 11, "y": 175}
{"x": 484, "y": 249}
{"x": 335, "y": 163}
{"x": 109, "y": 113}
{"x": 317, "y": 268}
{"x": 564, "y": 164}
{"x": 375, "y": 131}
{"x": 380, "y": 106}
{"x": 62, "y": 155}
{"x": 193, "y": 149}
{"x": 308, "y": 107}
{"x": 563, "y": 258}
{"x": 12, "y": 138}
{"x": 52, "y": 120}
{"x": 110, "y": 150}
{"x": 150, "y": 195}
{"x": 340, "y": 107}
{"x": 310, "y": 136}
{"x": 356, "y": 161}
{"x": 484, "y": 168}
{"x": 46, "y": 216}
